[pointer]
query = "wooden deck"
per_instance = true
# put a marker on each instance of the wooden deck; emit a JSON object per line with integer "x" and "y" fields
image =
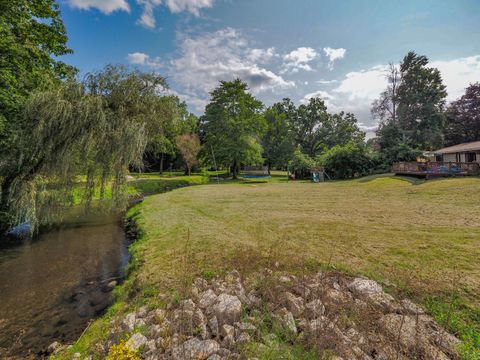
{"x": 432, "y": 169}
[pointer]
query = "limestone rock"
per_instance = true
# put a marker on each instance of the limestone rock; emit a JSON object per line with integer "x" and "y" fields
{"x": 314, "y": 309}
{"x": 214, "y": 357}
{"x": 364, "y": 287}
{"x": 207, "y": 299}
{"x": 213, "y": 325}
{"x": 136, "y": 341}
{"x": 294, "y": 304}
{"x": 243, "y": 338}
{"x": 287, "y": 320}
{"x": 130, "y": 322}
{"x": 142, "y": 312}
{"x": 195, "y": 349}
{"x": 316, "y": 325}
{"x": 411, "y": 308}
{"x": 228, "y": 330}
{"x": 227, "y": 309}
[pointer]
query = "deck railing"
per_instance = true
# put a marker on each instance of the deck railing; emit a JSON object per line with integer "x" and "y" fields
{"x": 436, "y": 168}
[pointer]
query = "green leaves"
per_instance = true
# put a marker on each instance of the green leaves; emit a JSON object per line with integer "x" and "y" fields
{"x": 233, "y": 125}
{"x": 421, "y": 97}
{"x": 346, "y": 161}
{"x": 97, "y": 128}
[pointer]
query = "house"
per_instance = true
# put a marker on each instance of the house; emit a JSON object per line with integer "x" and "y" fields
{"x": 457, "y": 160}
{"x": 465, "y": 153}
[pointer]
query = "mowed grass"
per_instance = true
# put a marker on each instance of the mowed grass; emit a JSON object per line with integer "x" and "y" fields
{"x": 385, "y": 226}
{"x": 421, "y": 239}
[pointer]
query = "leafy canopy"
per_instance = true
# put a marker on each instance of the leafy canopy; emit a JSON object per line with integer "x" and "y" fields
{"x": 463, "y": 117}
{"x": 32, "y": 36}
{"x": 278, "y": 144}
{"x": 233, "y": 125}
{"x": 96, "y": 128}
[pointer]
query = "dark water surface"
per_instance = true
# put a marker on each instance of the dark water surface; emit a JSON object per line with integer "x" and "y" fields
{"x": 51, "y": 287}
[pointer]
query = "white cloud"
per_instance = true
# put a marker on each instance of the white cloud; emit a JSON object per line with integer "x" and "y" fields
{"x": 363, "y": 85}
{"x": 299, "y": 59}
{"x": 105, "y": 6}
{"x": 356, "y": 91}
{"x": 191, "y": 6}
{"x": 367, "y": 128}
{"x": 334, "y": 55}
{"x": 262, "y": 55}
{"x": 324, "y": 95}
{"x": 323, "y": 82}
{"x": 457, "y": 74}
{"x": 138, "y": 58}
{"x": 205, "y": 59}
{"x": 147, "y": 18}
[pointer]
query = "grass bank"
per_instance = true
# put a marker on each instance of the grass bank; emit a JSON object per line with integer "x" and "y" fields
{"x": 421, "y": 239}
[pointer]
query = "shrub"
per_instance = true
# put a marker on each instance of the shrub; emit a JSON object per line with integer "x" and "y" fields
{"x": 122, "y": 352}
{"x": 301, "y": 164}
{"x": 347, "y": 161}
{"x": 400, "y": 152}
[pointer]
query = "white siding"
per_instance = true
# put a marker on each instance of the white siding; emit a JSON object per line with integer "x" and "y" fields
{"x": 451, "y": 157}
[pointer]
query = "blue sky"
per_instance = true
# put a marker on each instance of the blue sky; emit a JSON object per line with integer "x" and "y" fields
{"x": 336, "y": 50}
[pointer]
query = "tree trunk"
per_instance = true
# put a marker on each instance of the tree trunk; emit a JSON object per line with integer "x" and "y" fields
{"x": 234, "y": 170}
{"x": 5, "y": 192}
{"x": 161, "y": 164}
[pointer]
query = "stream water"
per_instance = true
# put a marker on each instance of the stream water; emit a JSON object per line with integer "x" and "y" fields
{"x": 50, "y": 288}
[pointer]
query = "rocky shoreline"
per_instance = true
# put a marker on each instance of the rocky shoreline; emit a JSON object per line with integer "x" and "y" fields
{"x": 235, "y": 317}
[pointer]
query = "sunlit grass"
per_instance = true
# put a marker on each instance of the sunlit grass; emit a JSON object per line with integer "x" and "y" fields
{"x": 421, "y": 239}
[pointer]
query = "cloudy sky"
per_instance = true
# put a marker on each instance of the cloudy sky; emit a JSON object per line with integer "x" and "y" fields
{"x": 333, "y": 49}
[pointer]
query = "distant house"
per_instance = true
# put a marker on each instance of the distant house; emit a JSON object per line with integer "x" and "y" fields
{"x": 457, "y": 160}
{"x": 466, "y": 153}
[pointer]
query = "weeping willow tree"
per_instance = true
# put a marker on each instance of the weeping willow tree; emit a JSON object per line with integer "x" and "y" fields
{"x": 78, "y": 139}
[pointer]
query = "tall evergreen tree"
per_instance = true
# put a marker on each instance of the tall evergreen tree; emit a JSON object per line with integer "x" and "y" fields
{"x": 421, "y": 98}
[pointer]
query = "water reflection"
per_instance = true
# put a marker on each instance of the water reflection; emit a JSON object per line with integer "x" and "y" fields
{"x": 52, "y": 287}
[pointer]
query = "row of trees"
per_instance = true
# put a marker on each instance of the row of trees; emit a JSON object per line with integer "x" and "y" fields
{"x": 57, "y": 132}
{"x": 412, "y": 113}
{"x": 237, "y": 130}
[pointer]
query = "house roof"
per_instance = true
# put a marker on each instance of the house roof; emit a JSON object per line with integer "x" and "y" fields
{"x": 470, "y": 146}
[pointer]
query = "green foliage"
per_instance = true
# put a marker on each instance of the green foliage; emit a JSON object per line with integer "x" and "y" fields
{"x": 148, "y": 186}
{"x": 316, "y": 130}
{"x": 277, "y": 141}
{"x": 400, "y": 152}
{"x": 189, "y": 146}
{"x": 460, "y": 320}
{"x": 421, "y": 100}
{"x": 347, "y": 161}
{"x": 32, "y": 36}
{"x": 233, "y": 125}
{"x": 172, "y": 120}
{"x": 121, "y": 351}
{"x": 463, "y": 117}
{"x": 98, "y": 128}
{"x": 411, "y": 109}
{"x": 301, "y": 164}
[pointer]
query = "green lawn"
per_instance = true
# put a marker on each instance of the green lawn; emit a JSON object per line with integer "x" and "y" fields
{"x": 420, "y": 239}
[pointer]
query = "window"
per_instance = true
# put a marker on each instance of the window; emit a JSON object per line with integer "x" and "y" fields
{"x": 470, "y": 157}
